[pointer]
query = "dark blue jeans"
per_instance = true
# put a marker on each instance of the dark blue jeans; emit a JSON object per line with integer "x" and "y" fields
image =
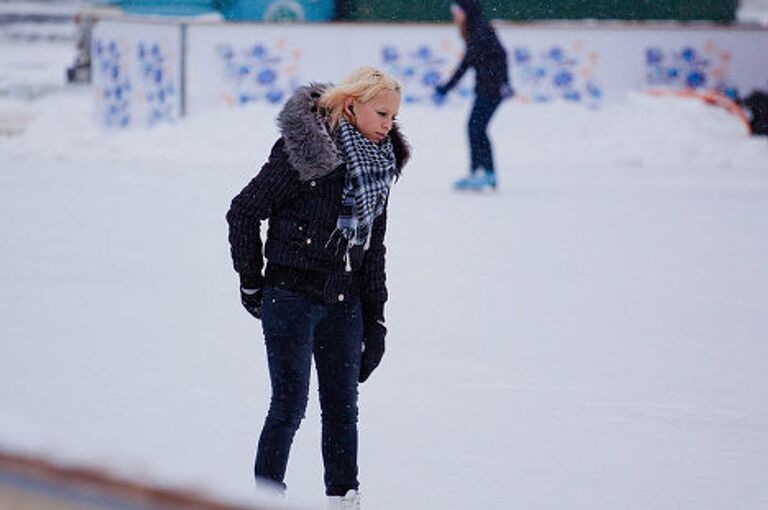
{"x": 479, "y": 144}
{"x": 297, "y": 327}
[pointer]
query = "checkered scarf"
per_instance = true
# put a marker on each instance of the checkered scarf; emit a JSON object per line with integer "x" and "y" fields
{"x": 370, "y": 170}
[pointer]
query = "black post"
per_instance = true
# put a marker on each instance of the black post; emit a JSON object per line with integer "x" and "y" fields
{"x": 183, "y": 72}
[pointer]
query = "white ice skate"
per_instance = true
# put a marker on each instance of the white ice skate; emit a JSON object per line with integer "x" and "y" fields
{"x": 351, "y": 501}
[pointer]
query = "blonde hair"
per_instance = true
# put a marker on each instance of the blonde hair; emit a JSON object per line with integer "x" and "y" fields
{"x": 363, "y": 85}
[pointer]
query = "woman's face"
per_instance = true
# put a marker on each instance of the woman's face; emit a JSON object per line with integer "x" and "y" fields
{"x": 374, "y": 118}
{"x": 459, "y": 17}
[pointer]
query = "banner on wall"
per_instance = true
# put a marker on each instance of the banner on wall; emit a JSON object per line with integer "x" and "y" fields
{"x": 232, "y": 65}
{"x": 237, "y": 65}
{"x": 138, "y": 65}
{"x": 592, "y": 65}
{"x": 588, "y": 66}
{"x": 136, "y": 73}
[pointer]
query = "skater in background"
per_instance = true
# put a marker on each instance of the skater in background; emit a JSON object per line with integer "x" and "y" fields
{"x": 324, "y": 190}
{"x": 756, "y": 107}
{"x": 486, "y": 55}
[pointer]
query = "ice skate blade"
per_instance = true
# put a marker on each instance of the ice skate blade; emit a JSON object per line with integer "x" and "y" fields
{"x": 475, "y": 189}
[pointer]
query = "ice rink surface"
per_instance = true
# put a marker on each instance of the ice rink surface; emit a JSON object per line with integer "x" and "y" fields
{"x": 592, "y": 336}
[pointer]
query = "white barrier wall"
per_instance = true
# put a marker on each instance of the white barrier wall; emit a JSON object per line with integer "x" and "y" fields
{"x": 230, "y": 64}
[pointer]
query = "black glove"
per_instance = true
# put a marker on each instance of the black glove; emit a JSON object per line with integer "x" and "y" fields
{"x": 252, "y": 300}
{"x": 374, "y": 332}
{"x": 252, "y": 294}
{"x": 441, "y": 90}
{"x": 506, "y": 91}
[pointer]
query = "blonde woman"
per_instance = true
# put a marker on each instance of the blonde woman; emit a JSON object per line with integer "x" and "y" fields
{"x": 324, "y": 190}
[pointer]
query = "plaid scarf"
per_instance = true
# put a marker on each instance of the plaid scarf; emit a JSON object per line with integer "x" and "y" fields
{"x": 370, "y": 170}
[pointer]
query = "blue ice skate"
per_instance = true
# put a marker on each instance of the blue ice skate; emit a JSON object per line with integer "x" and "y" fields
{"x": 477, "y": 181}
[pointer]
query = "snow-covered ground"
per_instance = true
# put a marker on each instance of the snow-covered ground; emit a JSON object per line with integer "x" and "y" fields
{"x": 594, "y": 336}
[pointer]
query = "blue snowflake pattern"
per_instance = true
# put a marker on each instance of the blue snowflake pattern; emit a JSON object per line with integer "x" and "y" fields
{"x": 157, "y": 84}
{"x": 522, "y": 56}
{"x": 689, "y": 67}
{"x": 420, "y": 70}
{"x": 134, "y": 83}
{"x": 114, "y": 83}
{"x": 253, "y": 73}
{"x": 553, "y": 74}
{"x": 542, "y": 77}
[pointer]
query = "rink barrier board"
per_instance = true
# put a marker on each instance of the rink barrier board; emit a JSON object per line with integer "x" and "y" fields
{"x": 159, "y": 70}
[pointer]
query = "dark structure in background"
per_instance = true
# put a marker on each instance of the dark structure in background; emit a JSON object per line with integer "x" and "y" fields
{"x": 80, "y": 70}
{"x": 756, "y": 105}
{"x": 722, "y": 11}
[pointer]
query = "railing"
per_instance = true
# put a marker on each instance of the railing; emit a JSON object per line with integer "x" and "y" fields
{"x": 28, "y": 483}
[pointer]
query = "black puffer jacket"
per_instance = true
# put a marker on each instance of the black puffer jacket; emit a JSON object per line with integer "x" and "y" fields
{"x": 484, "y": 53}
{"x": 299, "y": 191}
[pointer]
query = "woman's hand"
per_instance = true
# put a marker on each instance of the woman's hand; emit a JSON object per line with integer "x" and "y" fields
{"x": 252, "y": 293}
{"x": 374, "y": 333}
{"x": 253, "y": 300}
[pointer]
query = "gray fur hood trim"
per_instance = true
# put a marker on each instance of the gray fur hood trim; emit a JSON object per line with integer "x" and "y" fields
{"x": 311, "y": 150}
